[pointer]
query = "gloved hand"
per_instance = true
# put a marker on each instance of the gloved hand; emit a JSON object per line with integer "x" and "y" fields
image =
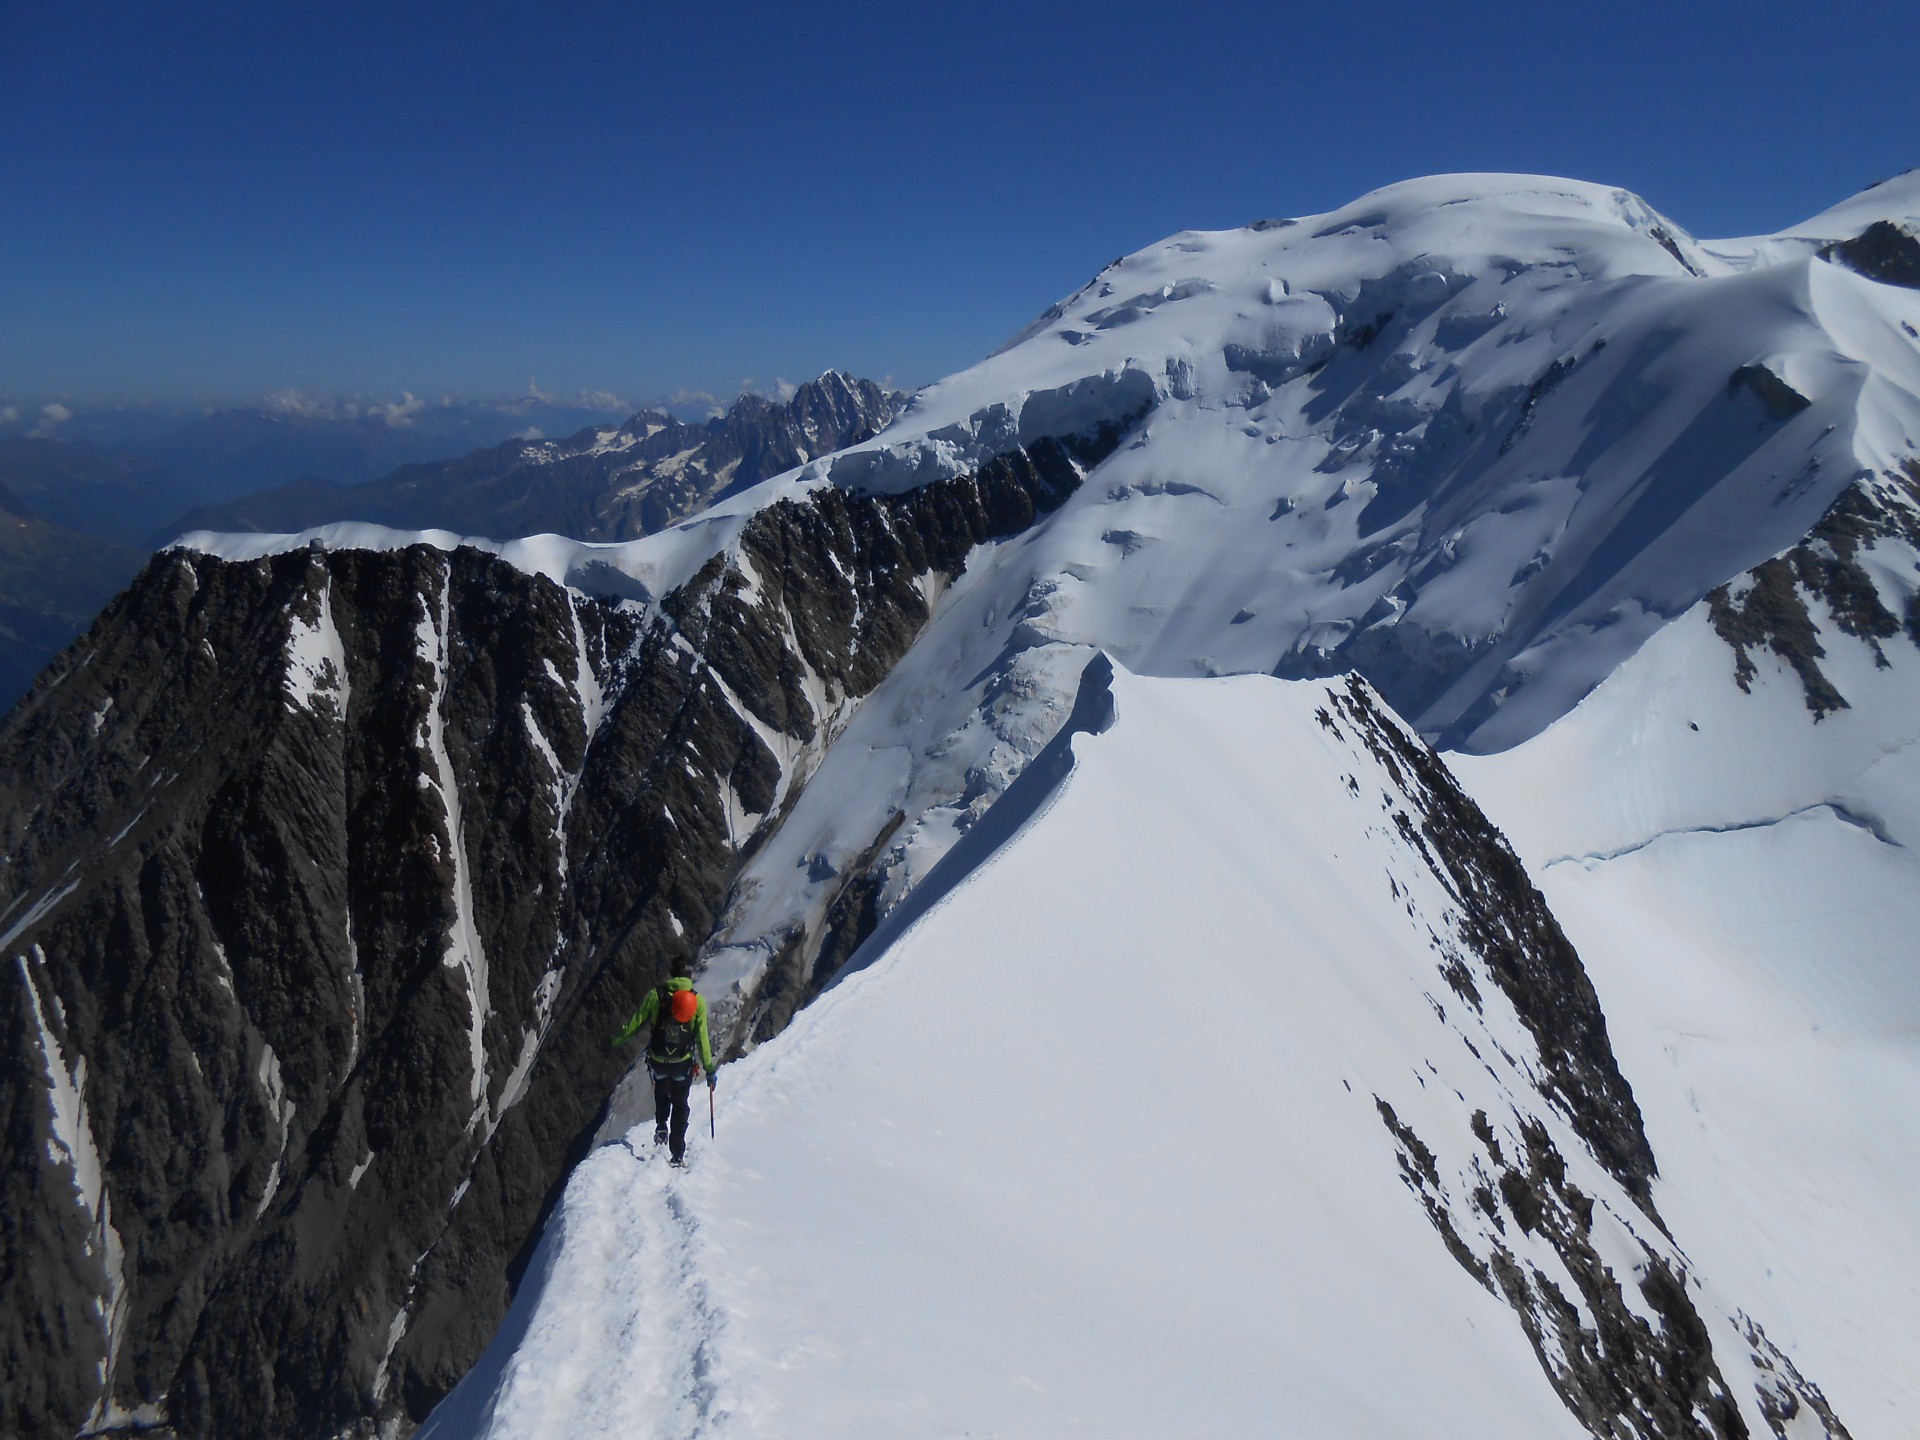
{"x": 712, "y": 1077}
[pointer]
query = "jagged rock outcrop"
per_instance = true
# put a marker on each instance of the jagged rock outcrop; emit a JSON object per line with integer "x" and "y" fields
{"x": 1883, "y": 251}
{"x": 605, "y": 483}
{"x": 1766, "y": 608}
{"x": 328, "y": 877}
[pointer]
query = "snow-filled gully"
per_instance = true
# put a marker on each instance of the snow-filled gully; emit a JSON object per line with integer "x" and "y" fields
{"x": 464, "y": 951}
{"x": 71, "y": 1145}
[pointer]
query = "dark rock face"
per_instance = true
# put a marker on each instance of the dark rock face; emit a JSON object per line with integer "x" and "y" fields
{"x": 1630, "y": 1354}
{"x": 1883, "y": 252}
{"x": 1766, "y": 609}
{"x": 1508, "y": 928}
{"x": 329, "y": 878}
{"x": 1779, "y": 399}
{"x": 606, "y": 483}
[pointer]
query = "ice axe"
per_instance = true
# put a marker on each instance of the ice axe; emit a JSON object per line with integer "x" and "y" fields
{"x": 712, "y": 1132}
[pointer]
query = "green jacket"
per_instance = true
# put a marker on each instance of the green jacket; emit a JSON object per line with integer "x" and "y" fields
{"x": 649, "y": 1011}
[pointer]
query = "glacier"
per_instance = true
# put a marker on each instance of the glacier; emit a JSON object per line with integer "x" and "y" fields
{"x": 1743, "y": 884}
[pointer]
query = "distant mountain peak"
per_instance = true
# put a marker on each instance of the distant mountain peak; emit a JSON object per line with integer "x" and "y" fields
{"x": 604, "y": 482}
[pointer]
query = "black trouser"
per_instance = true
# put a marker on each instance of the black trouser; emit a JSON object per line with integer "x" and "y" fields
{"x": 672, "y": 1082}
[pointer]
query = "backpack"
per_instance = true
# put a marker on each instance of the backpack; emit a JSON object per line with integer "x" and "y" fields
{"x": 673, "y": 1037}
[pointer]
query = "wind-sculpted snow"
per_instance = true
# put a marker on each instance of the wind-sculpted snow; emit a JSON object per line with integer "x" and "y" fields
{"x": 1239, "y": 1125}
{"x": 1476, "y": 436}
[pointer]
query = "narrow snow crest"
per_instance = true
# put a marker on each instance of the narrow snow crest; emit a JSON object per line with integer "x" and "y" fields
{"x": 632, "y": 569}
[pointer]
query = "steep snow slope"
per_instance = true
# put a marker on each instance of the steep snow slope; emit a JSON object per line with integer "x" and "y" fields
{"x": 1162, "y": 1121}
{"x": 1743, "y": 879}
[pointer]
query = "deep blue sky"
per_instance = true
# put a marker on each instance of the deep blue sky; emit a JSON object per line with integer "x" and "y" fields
{"x": 218, "y": 201}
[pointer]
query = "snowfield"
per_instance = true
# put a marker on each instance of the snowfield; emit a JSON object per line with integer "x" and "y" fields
{"x": 1477, "y": 435}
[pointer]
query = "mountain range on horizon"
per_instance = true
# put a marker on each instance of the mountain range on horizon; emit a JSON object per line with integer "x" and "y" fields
{"x": 213, "y": 452}
{"x": 1440, "y": 672}
{"x": 88, "y": 515}
{"x": 605, "y": 482}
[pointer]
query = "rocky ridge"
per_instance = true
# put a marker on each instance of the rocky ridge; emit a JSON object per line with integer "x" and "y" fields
{"x": 1633, "y": 1346}
{"x": 330, "y": 874}
{"x": 1875, "y": 523}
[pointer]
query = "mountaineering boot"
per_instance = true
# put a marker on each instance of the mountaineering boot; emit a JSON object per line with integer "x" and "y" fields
{"x": 678, "y": 1162}
{"x": 660, "y": 1133}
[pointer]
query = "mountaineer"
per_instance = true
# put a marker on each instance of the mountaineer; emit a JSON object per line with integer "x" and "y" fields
{"x": 677, "y": 1050}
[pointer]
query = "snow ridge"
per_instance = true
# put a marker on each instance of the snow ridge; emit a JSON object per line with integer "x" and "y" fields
{"x": 937, "y": 1211}
{"x": 1489, "y": 440}
{"x": 632, "y": 1253}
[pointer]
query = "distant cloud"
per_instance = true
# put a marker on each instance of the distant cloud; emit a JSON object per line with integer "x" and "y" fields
{"x": 685, "y": 402}
{"x": 532, "y": 432}
{"x": 52, "y": 417}
{"x": 306, "y": 405}
{"x": 603, "y": 401}
{"x": 302, "y": 405}
{"x": 10, "y": 414}
{"x": 780, "y": 391}
{"x": 399, "y": 415}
